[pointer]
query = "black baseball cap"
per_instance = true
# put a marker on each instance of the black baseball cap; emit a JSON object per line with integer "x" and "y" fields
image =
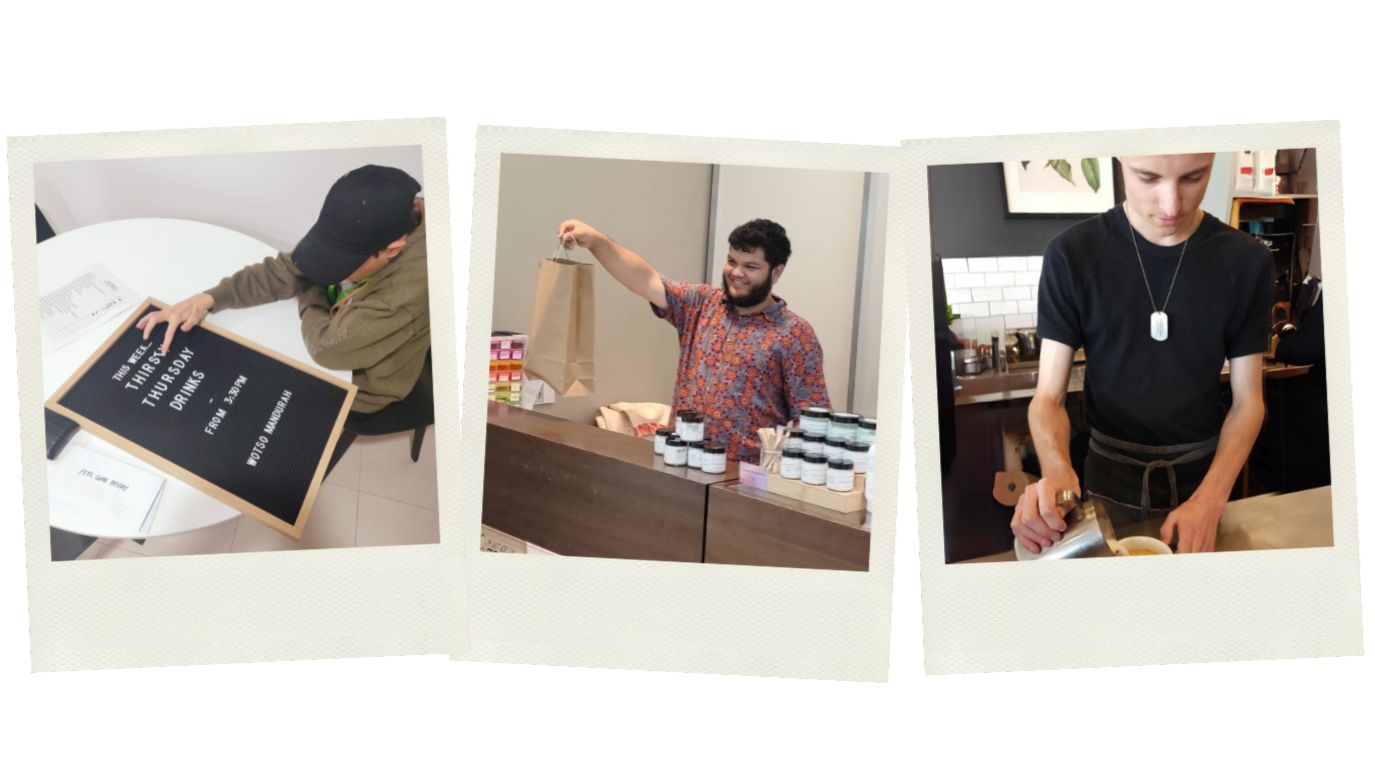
{"x": 365, "y": 210}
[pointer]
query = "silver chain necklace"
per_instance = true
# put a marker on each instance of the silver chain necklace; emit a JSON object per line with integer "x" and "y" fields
{"x": 1160, "y": 323}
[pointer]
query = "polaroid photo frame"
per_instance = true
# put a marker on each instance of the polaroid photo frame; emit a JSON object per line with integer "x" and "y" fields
{"x": 1224, "y": 606}
{"x": 669, "y": 615}
{"x": 235, "y": 607}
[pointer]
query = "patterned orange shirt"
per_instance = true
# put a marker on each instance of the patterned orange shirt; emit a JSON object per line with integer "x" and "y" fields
{"x": 743, "y": 372}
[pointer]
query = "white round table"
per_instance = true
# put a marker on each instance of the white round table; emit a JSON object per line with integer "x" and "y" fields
{"x": 168, "y": 260}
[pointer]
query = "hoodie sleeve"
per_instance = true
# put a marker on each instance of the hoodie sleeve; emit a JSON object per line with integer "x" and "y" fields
{"x": 274, "y": 279}
{"x": 356, "y": 336}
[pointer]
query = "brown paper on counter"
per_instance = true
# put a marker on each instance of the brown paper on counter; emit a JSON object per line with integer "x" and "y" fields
{"x": 562, "y": 328}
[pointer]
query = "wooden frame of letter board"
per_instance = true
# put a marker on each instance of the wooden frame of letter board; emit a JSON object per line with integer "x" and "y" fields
{"x": 171, "y": 468}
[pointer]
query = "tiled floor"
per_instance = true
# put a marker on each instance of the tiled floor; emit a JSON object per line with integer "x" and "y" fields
{"x": 375, "y": 496}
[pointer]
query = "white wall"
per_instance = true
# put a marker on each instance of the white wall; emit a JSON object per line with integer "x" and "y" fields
{"x": 992, "y": 295}
{"x": 864, "y": 391}
{"x": 1217, "y": 200}
{"x": 821, "y": 210}
{"x": 658, "y": 209}
{"x": 273, "y": 197}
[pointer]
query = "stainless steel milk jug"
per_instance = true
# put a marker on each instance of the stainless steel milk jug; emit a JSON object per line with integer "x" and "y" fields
{"x": 1088, "y": 532}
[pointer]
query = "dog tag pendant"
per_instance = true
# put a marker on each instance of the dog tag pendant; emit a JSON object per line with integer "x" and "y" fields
{"x": 1160, "y": 326}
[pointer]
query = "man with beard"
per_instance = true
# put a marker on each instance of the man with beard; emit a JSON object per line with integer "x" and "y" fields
{"x": 745, "y": 360}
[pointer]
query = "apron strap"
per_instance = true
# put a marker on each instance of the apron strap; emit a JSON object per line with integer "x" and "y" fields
{"x": 1188, "y": 452}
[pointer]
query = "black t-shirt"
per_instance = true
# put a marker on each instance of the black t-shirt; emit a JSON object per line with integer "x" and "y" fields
{"x": 1093, "y": 296}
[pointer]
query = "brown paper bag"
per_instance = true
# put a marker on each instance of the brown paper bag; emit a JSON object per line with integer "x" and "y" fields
{"x": 562, "y": 330}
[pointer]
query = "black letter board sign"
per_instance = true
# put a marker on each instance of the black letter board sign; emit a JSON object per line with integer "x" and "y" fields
{"x": 241, "y": 423}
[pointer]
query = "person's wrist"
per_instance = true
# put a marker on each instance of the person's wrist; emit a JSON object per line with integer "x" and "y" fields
{"x": 1211, "y": 499}
{"x": 1062, "y": 474}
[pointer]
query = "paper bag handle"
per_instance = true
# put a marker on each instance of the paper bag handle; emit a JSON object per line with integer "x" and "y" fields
{"x": 567, "y": 255}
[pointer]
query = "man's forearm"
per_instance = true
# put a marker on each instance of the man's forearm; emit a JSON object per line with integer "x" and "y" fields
{"x": 1239, "y": 432}
{"x": 1050, "y": 432}
{"x": 625, "y": 266}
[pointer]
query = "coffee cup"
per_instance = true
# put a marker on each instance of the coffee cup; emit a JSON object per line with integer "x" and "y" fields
{"x": 1139, "y": 543}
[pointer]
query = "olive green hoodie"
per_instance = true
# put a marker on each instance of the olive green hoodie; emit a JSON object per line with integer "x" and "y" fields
{"x": 381, "y": 332}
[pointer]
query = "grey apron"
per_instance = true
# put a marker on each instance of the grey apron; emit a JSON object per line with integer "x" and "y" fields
{"x": 1123, "y": 474}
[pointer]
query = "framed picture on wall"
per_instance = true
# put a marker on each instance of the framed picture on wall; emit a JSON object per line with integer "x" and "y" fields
{"x": 1058, "y": 188}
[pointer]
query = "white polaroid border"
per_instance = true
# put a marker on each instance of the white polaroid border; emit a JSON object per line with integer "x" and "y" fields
{"x": 229, "y": 608}
{"x": 669, "y": 616}
{"x": 990, "y": 617}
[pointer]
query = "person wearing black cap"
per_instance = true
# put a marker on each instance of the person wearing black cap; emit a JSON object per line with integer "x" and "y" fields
{"x": 361, "y": 281}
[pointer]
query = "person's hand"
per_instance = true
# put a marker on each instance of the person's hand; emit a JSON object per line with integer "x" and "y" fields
{"x": 185, "y": 315}
{"x": 1037, "y": 521}
{"x": 575, "y": 232}
{"x": 1197, "y": 522}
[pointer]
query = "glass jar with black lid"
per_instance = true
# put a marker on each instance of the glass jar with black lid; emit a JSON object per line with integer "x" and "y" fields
{"x": 868, "y": 428}
{"x": 858, "y": 453}
{"x": 675, "y": 452}
{"x": 691, "y": 426}
{"x": 835, "y": 448}
{"x": 844, "y": 426}
{"x": 661, "y": 437}
{"x": 695, "y": 453}
{"x": 815, "y": 420}
{"x": 840, "y": 475}
{"x": 714, "y": 459}
{"x": 814, "y": 469}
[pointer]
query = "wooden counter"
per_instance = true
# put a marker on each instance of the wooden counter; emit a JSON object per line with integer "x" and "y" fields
{"x": 750, "y": 526}
{"x": 578, "y": 490}
{"x": 1293, "y": 520}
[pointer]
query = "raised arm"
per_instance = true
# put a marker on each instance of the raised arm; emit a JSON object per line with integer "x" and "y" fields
{"x": 1037, "y": 521}
{"x": 628, "y": 268}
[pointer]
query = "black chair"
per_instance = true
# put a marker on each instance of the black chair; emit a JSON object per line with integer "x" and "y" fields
{"x": 44, "y": 229}
{"x": 414, "y": 413}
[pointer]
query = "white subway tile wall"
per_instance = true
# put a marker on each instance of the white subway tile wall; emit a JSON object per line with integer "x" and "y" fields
{"x": 992, "y": 295}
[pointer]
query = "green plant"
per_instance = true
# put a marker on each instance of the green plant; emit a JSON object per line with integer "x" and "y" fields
{"x": 1092, "y": 173}
{"x": 950, "y": 315}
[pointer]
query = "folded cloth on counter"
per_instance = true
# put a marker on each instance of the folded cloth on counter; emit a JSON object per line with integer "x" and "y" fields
{"x": 637, "y": 419}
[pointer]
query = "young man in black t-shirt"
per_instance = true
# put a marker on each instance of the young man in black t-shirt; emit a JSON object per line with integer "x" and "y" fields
{"x": 1159, "y": 294}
